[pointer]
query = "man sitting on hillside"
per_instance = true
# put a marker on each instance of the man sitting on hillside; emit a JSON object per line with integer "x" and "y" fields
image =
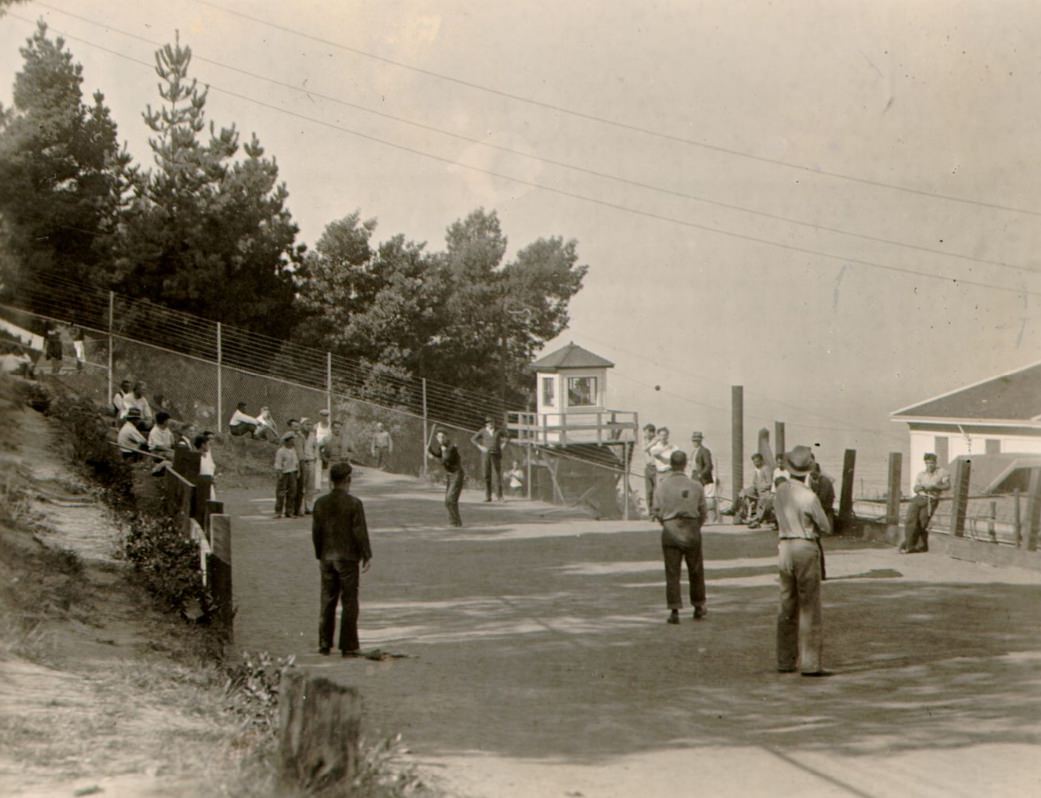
{"x": 119, "y": 399}
{"x": 161, "y": 438}
{"x": 131, "y": 441}
{"x": 137, "y": 400}
{"x": 241, "y": 423}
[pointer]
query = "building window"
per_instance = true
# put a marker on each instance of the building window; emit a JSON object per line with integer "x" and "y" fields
{"x": 548, "y": 391}
{"x": 581, "y": 391}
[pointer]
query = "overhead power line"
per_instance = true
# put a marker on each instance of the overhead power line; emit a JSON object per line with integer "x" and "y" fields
{"x": 310, "y": 93}
{"x": 563, "y": 192}
{"x": 617, "y": 123}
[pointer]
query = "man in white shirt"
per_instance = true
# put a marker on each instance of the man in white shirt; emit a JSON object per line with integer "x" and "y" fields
{"x": 661, "y": 452}
{"x": 928, "y": 487}
{"x": 119, "y": 399}
{"x": 242, "y": 423}
{"x": 131, "y": 441}
{"x": 137, "y": 399}
{"x": 161, "y": 437}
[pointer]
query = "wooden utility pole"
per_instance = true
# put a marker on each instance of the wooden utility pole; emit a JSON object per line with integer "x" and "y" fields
{"x": 894, "y": 490}
{"x": 737, "y": 439}
{"x": 779, "y": 438}
{"x": 849, "y": 464}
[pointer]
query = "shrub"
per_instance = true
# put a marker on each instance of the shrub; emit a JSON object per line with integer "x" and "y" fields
{"x": 252, "y": 687}
{"x": 168, "y": 563}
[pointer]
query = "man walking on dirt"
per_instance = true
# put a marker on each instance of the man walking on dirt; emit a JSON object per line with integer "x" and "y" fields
{"x": 679, "y": 504}
{"x": 341, "y": 546}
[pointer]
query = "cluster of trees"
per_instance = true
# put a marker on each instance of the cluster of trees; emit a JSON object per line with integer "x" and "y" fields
{"x": 206, "y": 229}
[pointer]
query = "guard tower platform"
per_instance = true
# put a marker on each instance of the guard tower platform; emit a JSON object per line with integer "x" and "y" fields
{"x": 580, "y": 448}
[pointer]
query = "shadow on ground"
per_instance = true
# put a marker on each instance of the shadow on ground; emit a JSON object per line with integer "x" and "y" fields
{"x": 552, "y": 643}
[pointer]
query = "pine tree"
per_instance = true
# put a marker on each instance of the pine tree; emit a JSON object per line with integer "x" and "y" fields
{"x": 208, "y": 231}
{"x": 63, "y": 176}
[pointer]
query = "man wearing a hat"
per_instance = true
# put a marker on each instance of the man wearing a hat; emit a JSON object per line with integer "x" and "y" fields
{"x": 801, "y": 521}
{"x": 287, "y": 473}
{"x": 928, "y": 486}
{"x": 491, "y": 441}
{"x": 702, "y": 471}
{"x": 679, "y": 504}
{"x": 131, "y": 441}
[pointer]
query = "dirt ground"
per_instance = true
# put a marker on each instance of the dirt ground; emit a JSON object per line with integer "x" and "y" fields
{"x": 538, "y": 661}
{"x": 99, "y": 693}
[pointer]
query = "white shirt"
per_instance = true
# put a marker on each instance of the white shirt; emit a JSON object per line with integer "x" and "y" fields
{"x": 323, "y": 431}
{"x": 661, "y": 453}
{"x": 238, "y": 417}
{"x": 778, "y": 474}
{"x": 160, "y": 438}
{"x": 206, "y": 465}
{"x": 129, "y": 438}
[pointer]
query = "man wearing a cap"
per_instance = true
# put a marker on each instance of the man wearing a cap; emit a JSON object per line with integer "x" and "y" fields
{"x": 702, "y": 471}
{"x": 491, "y": 441}
{"x": 801, "y": 521}
{"x": 927, "y": 489}
{"x": 287, "y": 467}
{"x": 679, "y": 504}
{"x": 131, "y": 441}
{"x": 341, "y": 542}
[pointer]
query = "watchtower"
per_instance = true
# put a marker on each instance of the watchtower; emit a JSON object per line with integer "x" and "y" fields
{"x": 584, "y": 445}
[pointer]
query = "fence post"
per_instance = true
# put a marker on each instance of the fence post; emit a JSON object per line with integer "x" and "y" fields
{"x": 1033, "y": 509}
{"x": 220, "y": 390}
{"x": 329, "y": 383}
{"x": 111, "y": 322}
{"x": 779, "y": 437}
{"x": 1017, "y": 520}
{"x": 894, "y": 491}
{"x": 425, "y": 467}
{"x": 849, "y": 465}
{"x": 218, "y": 566}
{"x": 992, "y": 522}
{"x": 737, "y": 439}
{"x": 960, "y": 499}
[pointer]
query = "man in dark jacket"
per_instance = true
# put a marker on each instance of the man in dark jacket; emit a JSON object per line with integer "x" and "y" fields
{"x": 679, "y": 505}
{"x": 341, "y": 542}
{"x": 444, "y": 450}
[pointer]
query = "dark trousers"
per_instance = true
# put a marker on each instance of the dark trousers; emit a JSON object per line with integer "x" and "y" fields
{"x": 339, "y": 584}
{"x": 650, "y": 479}
{"x": 243, "y": 428}
{"x": 491, "y": 465}
{"x": 382, "y": 456}
{"x": 285, "y": 492}
{"x": 916, "y": 527}
{"x": 681, "y": 540}
{"x": 453, "y": 489}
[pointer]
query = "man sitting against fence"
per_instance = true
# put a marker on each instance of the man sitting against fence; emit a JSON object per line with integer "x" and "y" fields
{"x": 242, "y": 423}
{"x": 928, "y": 487}
{"x": 267, "y": 429}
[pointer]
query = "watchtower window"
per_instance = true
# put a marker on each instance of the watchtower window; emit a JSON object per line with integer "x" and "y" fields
{"x": 581, "y": 391}
{"x": 548, "y": 391}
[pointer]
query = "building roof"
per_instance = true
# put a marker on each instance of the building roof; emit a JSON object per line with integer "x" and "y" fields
{"x": 571, "y": 356}
{"x": 1015, "y": 396}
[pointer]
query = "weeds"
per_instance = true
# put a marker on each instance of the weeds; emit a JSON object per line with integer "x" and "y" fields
{"x": 252, "y": 688}
{"x": 166, "y": 561}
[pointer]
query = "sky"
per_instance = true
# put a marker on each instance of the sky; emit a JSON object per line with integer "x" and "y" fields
{"x": 911, "y": 268}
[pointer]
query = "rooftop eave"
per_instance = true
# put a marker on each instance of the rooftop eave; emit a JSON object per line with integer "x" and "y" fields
{"x": 968, "y": 422}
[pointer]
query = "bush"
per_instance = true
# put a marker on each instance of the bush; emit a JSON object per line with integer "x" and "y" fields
{"x": 168, "y": 563}
{"x": 253, "y": 686}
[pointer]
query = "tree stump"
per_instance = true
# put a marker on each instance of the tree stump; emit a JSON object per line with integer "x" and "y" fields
{"x": 319, "y": 725}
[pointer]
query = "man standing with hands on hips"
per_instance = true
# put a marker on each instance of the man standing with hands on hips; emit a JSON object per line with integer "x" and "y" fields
{"x": 801, "y": 521}
{"x": 492, "y": 441}
{"x": 341, "y": 542}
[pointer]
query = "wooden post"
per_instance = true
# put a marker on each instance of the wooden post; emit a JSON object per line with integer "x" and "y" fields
{"x": 1017, "y": 520}
{"x": 894, "y": 494}
{"x": 737, "y": 439}
{"x": 779, "y": 438}
{"x": 220, "y": 392}
{"x": 960, "y": 499}
{"x": 111, "y": 321}
{"x": 426, "y": 437}
{"x": 849, "y": 464}
{"x": 992, "y": 522}
{"x": 218, "y": 567}
{"x": 329, "y": 385}
{"x": 1033, "y": 509}
{"x": 626, "y": 454}
{"x": 319, "y": 726}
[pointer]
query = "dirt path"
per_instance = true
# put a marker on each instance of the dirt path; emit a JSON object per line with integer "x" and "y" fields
{"x": 540, "y": 664}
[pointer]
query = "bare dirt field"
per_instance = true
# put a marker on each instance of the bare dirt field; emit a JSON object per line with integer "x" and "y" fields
{"x": 538, "y": 661}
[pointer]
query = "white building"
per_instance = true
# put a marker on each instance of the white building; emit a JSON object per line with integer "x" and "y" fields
{"x": 998, "y": 415}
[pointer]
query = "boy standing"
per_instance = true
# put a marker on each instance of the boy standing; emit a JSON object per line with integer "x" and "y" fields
{"x": 287, "y": 465}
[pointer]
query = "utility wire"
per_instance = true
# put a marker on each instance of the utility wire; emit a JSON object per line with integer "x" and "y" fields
{"x": 552, "y": 162}
{"x": 571, "y": 194}
{"x": 616, "y": 123}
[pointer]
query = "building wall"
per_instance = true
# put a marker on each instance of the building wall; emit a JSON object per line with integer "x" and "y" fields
{"x": 975, "y": 442}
